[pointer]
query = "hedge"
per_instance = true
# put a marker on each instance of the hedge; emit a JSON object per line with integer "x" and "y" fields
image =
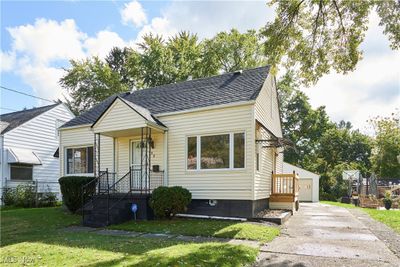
{"x": 166, "y": 202}
{"x": 71, "y": 189}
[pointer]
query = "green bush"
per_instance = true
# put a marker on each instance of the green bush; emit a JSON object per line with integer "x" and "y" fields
{"x": 166, "y": 202}
{"x": 47, "y": 199}
{"x": 22, "y": 196}
{"x": 71, "y": 190}
{"x": 25, "y": 196}
{"x": 327, "y": 196}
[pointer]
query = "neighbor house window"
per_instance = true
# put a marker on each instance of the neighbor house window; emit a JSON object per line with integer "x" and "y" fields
{"x": 21, "y": 172}
{"x": 222, "y": 151}
{"x": 80, "y": 160}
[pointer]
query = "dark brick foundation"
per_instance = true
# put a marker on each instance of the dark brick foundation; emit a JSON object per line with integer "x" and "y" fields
{"x": 228, "y": 208}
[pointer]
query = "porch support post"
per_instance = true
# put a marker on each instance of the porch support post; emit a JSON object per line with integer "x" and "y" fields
{"x": 165, "y": 158}
{"x": 98, "y": 153}
{"x": 141, "y": 161}
{"x": 149, "y": 155}
{"x": 94, "y": 155}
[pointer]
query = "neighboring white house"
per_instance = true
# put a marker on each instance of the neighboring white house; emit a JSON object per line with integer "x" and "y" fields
{"x": 308, "y": 183}
{"x": 220, "y": 137}
{"x": 29, "y": 144}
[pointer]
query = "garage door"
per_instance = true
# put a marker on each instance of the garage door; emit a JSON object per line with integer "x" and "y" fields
{"x": 305, "y": 191}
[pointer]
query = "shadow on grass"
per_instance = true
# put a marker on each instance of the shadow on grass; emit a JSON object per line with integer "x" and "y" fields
{"x": 42, "y": 232}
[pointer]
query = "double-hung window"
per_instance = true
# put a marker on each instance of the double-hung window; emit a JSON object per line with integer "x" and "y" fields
{"x": 80, "y": 160}
{"x": 220, "y": 151}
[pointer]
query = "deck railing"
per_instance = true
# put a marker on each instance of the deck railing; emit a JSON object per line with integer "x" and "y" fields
{"x": 285, "y": 184}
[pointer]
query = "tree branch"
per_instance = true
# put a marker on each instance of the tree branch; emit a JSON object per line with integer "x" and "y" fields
{"x": 340, "y": 16}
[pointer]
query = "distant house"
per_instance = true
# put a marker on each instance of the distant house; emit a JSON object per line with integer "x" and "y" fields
{"x": 308, "y": 183}
{"x": 220, "y": 137}
{"x": 29, "y": 147}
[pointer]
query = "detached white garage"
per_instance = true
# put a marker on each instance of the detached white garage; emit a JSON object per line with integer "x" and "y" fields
{"x": 308, "y": 183}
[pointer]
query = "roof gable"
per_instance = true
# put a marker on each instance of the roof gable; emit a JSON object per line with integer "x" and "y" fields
{"x": 200, "y": 93}
{"x": 13, "y": 120}
{"x": 122, "y": 115}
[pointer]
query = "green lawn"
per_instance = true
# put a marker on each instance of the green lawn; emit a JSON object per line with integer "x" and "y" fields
{"x": 343, "y": 205}
{"x": 201, "y": 227}
{"x": 389, "y": 217}
{"x": 37, "y": 237}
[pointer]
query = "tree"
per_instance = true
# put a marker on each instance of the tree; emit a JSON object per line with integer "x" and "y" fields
{"x": 89, "y": 82}
{"x": 231, "y": 51}
{"x": 300, "y": 122}
{"x": 157, "y": 62}
{"x": 313, "y": 37}
{"x": 117, "y": 60}
{"x": 386, "y": 147}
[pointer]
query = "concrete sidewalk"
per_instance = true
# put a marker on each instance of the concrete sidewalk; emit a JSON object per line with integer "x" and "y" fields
{"x": 325, "y": 235}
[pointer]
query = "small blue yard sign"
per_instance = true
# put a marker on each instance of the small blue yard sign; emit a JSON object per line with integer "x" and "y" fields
{"x": 134, "y": 209}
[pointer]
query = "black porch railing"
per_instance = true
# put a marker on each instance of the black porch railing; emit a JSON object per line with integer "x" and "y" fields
{"x": 134, "y": 181}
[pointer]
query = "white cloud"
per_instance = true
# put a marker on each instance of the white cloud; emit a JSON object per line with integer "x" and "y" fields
{"x": 134, "y": 13}
{"x": 158, "y": 26}
{"x": 103, "y": 42}
{"x": 7, "y": 60}
{"x": 48, "y": 40}
{"x": 372, "y": 89}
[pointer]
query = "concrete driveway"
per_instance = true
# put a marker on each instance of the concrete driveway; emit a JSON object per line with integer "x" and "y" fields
{"x": 325, "y": 235}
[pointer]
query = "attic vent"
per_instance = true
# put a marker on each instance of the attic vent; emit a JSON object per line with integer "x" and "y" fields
{"x": 238, "y": 72}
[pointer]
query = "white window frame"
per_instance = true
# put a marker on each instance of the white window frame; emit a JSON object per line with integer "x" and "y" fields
{"x": 66, "y": 161}
{"x": 231, "y": 152}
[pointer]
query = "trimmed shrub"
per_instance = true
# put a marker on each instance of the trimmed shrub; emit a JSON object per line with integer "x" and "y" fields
{"x": 166, "y": 202}
{"x": 71, "y": 190}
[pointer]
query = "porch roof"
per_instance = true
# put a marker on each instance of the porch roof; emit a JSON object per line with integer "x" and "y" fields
{"x": 123, "y": 118}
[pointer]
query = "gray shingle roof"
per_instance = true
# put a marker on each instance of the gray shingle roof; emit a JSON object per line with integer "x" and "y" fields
{"x": 14, "y": 119}
{"x": 217, "y": 90}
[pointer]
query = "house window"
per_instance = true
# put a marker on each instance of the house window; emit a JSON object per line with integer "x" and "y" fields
{"x": 215, "y": 151}
{"x": 80, "y": 160}
{"x": 192, "y": 153}
{"x": 223, "y": 151}
{"x": 21, "y": 172}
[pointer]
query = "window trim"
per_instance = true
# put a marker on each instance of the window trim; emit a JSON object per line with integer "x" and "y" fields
{"x": 231, "y": 151}
{"x": 66, "y": 161}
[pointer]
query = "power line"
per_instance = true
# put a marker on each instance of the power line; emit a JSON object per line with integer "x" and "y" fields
{"x": 22, "y": 93}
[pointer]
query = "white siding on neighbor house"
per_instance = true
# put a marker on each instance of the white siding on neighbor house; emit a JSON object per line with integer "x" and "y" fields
{"x": 119, "y": 117}
{"x": 266, "y": 109}
{"x": 211, "y": 184}
{"x": 40, "y": 135}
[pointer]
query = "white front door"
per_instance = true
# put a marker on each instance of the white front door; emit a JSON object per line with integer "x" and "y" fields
{"x": 305, "y": 191}
{"x": 136, "y": 160}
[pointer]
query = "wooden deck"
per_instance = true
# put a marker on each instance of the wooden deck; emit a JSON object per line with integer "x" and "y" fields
{"x": 285, "y": 191}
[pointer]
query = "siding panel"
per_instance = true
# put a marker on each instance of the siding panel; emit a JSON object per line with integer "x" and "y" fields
{"x": 40, "y": 135}
{"x": 211, "y": 184}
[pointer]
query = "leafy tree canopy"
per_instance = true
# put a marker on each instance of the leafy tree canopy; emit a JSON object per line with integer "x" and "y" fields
{"x": 315, "y": 36}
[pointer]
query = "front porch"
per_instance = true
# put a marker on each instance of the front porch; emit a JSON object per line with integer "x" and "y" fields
{"x": 285, "y": 192}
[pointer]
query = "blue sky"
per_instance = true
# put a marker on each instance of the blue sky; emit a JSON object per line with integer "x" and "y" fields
{"x": 38, "y": 39}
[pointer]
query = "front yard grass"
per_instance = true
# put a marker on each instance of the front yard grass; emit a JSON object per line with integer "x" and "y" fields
{"x": 201, "y": 227}
{"x": 389, "y": 217}
{"x": 37, "y": 237}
